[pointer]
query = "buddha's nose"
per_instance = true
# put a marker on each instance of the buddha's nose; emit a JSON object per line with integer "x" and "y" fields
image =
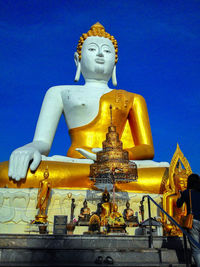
{"x": 100, "y": 54}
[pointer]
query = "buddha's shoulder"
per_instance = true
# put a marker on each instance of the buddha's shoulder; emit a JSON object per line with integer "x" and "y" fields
{"x": 128, "y": 94}
{"x": 58, "y": 89}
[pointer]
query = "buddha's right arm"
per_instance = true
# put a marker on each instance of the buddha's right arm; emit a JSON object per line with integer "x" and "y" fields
{"x": 50, "y": 113}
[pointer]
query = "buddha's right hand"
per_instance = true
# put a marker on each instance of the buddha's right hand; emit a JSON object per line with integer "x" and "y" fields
{"x": 20, "y": 160}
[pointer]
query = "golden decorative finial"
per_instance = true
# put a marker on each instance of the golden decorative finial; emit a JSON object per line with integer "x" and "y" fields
{"x": 98, "y": 27}
{"x": 179, "y": 167}
{"x": 111, "y": 115}
{"x": 175, "y": 164}
{"x": 97, "y": 30}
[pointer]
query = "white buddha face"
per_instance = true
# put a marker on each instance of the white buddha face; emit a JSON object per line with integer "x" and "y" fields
{"x": 97, "y": 58}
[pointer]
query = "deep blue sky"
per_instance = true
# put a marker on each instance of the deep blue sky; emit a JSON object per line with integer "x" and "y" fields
{"x": 159, "y": 58}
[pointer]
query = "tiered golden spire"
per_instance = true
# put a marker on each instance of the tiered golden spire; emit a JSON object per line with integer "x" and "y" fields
{"x": 113, "y": 160}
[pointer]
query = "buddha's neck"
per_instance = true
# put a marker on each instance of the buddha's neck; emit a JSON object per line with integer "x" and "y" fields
{"x": 98, "y": 84}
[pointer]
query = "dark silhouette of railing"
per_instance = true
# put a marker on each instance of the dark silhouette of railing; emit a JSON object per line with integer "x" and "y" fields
{"x": 185, "y": 233}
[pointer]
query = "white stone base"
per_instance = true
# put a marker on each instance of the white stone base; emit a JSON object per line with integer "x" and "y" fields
{"x": 17, "y": 208}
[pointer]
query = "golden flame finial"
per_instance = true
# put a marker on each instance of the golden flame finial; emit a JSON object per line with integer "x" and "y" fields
{"x": 98, "y": 27}
{"x": 179, "y": 166}
{"x": 97, "y": 30}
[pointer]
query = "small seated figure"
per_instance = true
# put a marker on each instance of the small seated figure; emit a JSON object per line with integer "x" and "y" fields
{"x": 94, "y": 224}
{"x": 116, "y": 218}
{"x": 129, "y": 216}
{"x": 104, "y": 208}
{"x": 180, "y": 185}
{"x": 178, "y": 176}
{"x": 116, "y": 222}
{"x": 84, "y": 215}
{"x": 128, "y": 212}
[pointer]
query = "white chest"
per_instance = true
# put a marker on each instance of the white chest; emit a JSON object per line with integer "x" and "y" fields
{"x": 80, "y": 106}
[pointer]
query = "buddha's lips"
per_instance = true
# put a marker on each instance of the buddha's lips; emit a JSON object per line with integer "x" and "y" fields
{"x": 100, "y": 61}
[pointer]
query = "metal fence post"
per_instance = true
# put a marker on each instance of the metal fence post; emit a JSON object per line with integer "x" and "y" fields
{"x": 150, "y": 225}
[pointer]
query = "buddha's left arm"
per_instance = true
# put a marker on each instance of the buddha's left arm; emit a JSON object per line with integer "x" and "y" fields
{"x": 141, "y": 130}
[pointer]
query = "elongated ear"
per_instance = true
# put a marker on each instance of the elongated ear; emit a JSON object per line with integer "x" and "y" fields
{"x": 114, "y": 78}
{"x": 78, "y": 67}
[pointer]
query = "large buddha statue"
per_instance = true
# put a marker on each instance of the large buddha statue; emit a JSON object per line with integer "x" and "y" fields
{"x": 86, "y": 111}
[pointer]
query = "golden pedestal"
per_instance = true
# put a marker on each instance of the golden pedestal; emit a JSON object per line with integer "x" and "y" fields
{"x": 41, "y": 218}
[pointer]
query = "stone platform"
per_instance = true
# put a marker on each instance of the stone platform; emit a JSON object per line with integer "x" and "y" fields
{"x": 18, "y": 206}
{"x": 76, "y": 250}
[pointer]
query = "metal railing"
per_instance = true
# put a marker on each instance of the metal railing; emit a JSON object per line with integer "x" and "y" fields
{"x": 185, "y": 233}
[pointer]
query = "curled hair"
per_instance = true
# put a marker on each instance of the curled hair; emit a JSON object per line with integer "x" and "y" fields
{"x": 97, "y": 30}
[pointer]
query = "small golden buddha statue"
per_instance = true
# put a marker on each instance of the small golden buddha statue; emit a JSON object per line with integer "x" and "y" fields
{"x": 180, "y": 180}
{"x": 177, "y": 182}
{"x": 84, "y": 215}
{"x": 104, "y": 208}
{"x": 128, "y": 213}
{"x": 116, "y": 218}
{"x": 116, "y": 222}
{"x": 94, "y": 224}
{"x": 43, "y": 198}
{"x": 173, "y": 210}
{"x": 129, "y": 217}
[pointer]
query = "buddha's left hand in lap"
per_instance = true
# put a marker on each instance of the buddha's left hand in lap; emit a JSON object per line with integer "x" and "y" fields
{"x": 88, "y": 154}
